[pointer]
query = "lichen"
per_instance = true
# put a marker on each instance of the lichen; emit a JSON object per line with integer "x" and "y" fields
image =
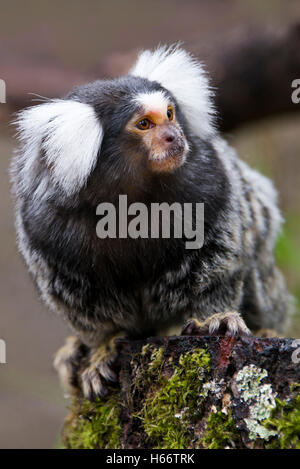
{"x": 215, "y": 387}
{"x": 221, "y": 432}
{"x": 285, "y": 420}
{"x": 94, "y": 425}
{"x": 172, "y": 404}
{"x": 260, "y": 398}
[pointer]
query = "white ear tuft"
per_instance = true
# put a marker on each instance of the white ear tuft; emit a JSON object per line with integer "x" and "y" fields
{"x": 69, "y": 133}
{"x": 181, "y": 74}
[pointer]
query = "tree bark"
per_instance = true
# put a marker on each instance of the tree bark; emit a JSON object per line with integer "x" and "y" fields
{"x": 253, "y": 73}
{"x": 196, "y": 392}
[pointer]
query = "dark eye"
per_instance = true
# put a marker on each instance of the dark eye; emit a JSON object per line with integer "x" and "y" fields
{"x": 170, "y": 114}
{"x": 144, "y": 124}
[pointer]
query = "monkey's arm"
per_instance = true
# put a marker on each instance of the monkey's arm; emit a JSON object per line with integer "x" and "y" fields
{"x": 219, "y": 310}
{"x": 217, "y": 290}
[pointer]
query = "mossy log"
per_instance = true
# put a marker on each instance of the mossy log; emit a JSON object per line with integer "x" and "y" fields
{"x": 195, "y": 392}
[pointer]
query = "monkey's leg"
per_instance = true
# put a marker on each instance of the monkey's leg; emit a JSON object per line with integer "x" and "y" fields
{"x": 68, "y": 361}
{"x": 224, "y": 324}
{"x": 99, "y": 369}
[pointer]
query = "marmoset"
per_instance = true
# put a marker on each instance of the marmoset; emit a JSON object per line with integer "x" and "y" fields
{"x": 149, "y": 135}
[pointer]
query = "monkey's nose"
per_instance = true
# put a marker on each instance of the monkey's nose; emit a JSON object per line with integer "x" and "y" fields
{"x": 168, "y": 136}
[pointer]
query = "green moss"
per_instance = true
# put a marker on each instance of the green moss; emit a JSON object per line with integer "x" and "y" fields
{"x": 173, "y": 403}
{"x": 144, "y": 375}
{"x": 285, "y": 420}
{"x": 94, "y": 425}
{"x": 221, "y": 432}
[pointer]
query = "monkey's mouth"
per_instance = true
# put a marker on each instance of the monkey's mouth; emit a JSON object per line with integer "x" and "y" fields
{"x": 170, "y": 159}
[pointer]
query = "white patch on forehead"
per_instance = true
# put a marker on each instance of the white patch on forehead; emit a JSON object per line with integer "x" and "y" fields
{"x": 153, "y": 101}
{"x": 70, "y": 135}
{"x": 182, "y": 75}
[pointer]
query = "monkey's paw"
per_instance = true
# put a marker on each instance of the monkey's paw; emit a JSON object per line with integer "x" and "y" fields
{"x": 223, "y": 324}
{"x": 99, "y": 371}
{"x": 67, "y": 361}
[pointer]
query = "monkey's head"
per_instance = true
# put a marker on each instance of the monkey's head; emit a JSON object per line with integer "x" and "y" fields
{"x": 154, "y": 132}
{"x": 118, "y": 133}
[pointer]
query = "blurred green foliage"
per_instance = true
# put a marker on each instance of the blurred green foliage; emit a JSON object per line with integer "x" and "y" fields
{"x": 271, "y": 147}
{"x": 288, "y": 258}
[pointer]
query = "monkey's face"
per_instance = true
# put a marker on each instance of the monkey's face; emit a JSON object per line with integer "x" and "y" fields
{"x": 155, "y": 125}
{"x": 114, "y": 135}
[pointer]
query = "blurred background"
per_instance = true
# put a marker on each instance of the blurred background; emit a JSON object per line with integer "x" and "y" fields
{"x": 251, "y": 50}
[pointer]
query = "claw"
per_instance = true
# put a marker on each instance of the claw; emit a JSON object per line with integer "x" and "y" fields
{"x": 191, "y": 327}
{"x": 99, "y": 372}
{"x": 224, "y": 324}
{"x": 92, "y": 385}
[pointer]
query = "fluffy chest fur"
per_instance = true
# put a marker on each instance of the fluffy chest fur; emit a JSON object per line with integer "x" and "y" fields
{"x": 124, "y": 280}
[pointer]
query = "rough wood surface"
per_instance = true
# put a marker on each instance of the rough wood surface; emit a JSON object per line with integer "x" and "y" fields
{"x": 196, "y": 392}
